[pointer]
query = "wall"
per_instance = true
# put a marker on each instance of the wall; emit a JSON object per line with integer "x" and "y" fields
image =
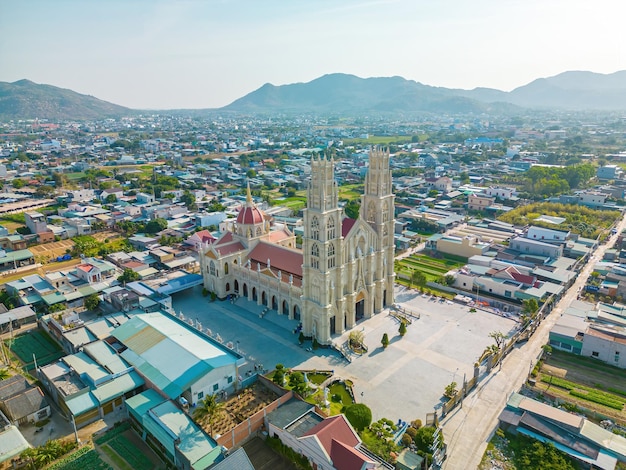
{"x": 606, "y": 350}
{"x": 253, "y": 424}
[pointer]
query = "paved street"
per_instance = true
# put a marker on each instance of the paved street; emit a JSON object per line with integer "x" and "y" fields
{"x": 468, "y": 430}
{"x": 405, "y": 381}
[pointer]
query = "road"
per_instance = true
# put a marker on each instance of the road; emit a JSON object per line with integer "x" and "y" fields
{"x": 467, "y": 430}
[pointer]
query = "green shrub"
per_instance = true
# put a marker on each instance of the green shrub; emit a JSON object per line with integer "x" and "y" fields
{"x": 598, "y": 398}
{"x": 359, "y": 415}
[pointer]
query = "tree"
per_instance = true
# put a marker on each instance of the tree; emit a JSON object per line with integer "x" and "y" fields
{"x": 450, "y": 390}
{"x": 498, "y": 337}
{"x": 111, "y": 199}
{"x": 156, "y": 225}
{"x": 530, "y": 307}
{"x": 4, "y": 373}
{"x": 279, "y": 375}
{"x": 402, "y": 329}
{"x": 128, "y": 276}
{"x": 44, "y": 191}
{"x": 352, "y": 209}
{"x": 385, "y": 341}
{"x": 189, "y": 199}
{"x": 418, "y": 278}
{"x": 297, "y": 383}
{"x": 18, "y": 183}
{"x": 208, "y": 410}
{"x": 359, "y": 415}
{"x": 92, "y": 301}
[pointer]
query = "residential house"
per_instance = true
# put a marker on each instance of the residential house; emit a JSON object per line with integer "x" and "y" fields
{"x": 479, "y": 202}
{"x": 583, "y": 440}
{"x": 92, "y": 383}
{"x": 22, "y": 402}
{"x": 328, "y": 443}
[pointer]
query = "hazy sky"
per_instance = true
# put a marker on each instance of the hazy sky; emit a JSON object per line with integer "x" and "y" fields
{"x": 206, "y": 53}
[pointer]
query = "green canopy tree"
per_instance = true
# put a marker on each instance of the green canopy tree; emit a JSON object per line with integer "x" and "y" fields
{"x": 359, "y": 415}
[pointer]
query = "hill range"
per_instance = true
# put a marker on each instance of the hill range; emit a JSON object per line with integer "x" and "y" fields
{"x": 345, "y": 94}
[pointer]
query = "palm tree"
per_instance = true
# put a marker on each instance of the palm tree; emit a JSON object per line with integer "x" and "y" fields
{"x": 4, "y": 374}
{"x": 208, "y": 411}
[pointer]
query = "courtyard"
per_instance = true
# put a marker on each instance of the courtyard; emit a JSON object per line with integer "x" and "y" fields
{"x": 404, "y": 381}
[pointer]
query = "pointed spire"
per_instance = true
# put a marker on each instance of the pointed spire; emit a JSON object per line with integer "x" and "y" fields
{"x": 249, "y": 195}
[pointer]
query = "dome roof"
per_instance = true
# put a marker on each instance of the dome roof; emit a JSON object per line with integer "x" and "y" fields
{"x": 250, "y": 215}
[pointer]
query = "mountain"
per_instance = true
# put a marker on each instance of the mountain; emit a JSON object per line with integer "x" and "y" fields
{"x": 343, "y": 93}
{"x": 574, "y": 90}
{"x": 28, "y": 100}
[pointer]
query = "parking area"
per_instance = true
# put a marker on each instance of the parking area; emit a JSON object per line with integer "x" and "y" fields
{"x": 406, "y": 380}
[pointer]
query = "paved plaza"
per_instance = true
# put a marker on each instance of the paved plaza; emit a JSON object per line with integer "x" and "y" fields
{"x": 405, "y": 381}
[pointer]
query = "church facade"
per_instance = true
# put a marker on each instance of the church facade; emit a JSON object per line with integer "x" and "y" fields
{"x": 344, "y": 271}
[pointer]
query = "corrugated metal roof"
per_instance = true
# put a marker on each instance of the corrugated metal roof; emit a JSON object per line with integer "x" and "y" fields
{"x": 83, "y": 364}
{"x": 142, "y": 402}
{"x": 196, "y": 444}
{"x": 81, "y": 403}
{"x": 144, "y": 339}
{"x": 102, "y": 353}
{"x": 12, "y": 443}
{"x": 117, "y": 387}
{"x": 170, "y": 352}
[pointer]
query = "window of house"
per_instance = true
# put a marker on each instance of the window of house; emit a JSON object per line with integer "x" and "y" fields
{"x": 230, "y": 379}
{"x": 464, "y": 284}
{"x": 507, "y": 293}
{"x": 595, "y": 354}
{"x": 212, "y": 268}
{"x": 200, "y": 395}
{"x": 215, "y": 387}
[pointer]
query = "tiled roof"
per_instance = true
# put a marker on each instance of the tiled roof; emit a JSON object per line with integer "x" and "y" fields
{"x": 85, "y": 267}
{"x": 227, "y": 238}
{"x": 345, "y": 457}
{"x": 278, "y": 235}
{"x": 250, "y": 215}
{"x": 224, "y": 250}
{"x": 346, "y": 226}
{"x": 287, "y": 260}
{"x": 334, "y": 428}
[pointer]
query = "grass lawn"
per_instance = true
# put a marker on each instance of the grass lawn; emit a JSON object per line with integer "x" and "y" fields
{"x": 350, "y": 192}
{"x": 432, "y": 268}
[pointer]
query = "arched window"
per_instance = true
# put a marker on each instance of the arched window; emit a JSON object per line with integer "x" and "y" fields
{"x": 315, "y": 253}
{"x": 331, "y": 228}
{"x": 212, "y": 268}
{"x": 259, "y": 232}
{"x": 225, "y": 268}
{"x": 315, "y": 229}
{"x": 331, "y": 256}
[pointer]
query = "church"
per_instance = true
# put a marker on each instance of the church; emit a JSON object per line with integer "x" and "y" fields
{"x": 344, "y": 271}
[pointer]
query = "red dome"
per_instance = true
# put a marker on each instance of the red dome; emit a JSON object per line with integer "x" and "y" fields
{"x": 250, "y": 215}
